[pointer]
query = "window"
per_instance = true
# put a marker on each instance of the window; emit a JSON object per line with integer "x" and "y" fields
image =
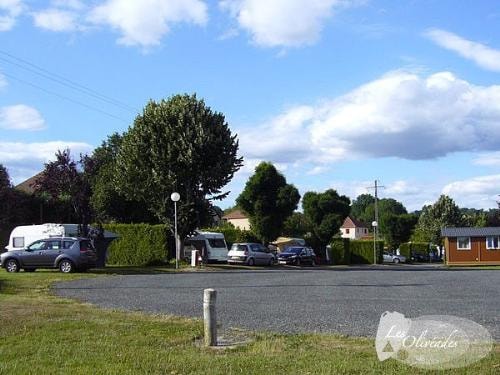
{"x": 463, "y": 243}
{"x": 347, "y": 231}
{"x": 67, "y": 244}
{"x": 217, "y": 243}
{"x": 53, "y": 245}
{"x": 18, "y": 242}
{"x": 38, "y": 245}
{"x": 492, "y": 243}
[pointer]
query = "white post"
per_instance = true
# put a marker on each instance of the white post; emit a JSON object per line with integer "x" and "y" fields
{"x": 176, "y": 239}
{"x": 210, "y": 317}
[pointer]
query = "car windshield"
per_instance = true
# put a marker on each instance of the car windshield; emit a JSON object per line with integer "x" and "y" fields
{"x": 236, "y": 247}
{"x": 294, "y": 250}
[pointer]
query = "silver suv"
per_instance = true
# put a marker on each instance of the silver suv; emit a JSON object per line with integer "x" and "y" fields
{"x": 66, "y": 253}
{"x": 250, "y": 254}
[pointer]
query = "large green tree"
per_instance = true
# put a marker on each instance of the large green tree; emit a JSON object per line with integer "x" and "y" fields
{"x": 108, "y": 202}
{"x": 398, "y": 229}
{"x": 269, "y": 200}
{"x": 177, "y": 145}
{"x": 443, "y": 213}
{"x": 359, "y": 206}
{"x": 326, "y": 213}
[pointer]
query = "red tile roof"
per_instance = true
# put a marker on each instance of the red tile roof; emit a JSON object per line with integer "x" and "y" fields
{"x": 351, "y": 222}
{"x": 28, "y": 185}
{"x": 236, "y": 214}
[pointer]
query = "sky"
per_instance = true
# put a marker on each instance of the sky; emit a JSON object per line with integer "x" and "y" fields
{"x": 336, "y": 93}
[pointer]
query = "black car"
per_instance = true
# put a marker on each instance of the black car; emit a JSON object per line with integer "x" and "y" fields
{"x": 297, "y": 255}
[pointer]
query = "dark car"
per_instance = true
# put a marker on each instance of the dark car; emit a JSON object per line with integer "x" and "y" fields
{"x": 66, "y": 253}
{"x": 297, "y": 255}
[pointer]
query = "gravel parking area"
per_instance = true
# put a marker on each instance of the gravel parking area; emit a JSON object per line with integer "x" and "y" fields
{"x": 348, "y": 301}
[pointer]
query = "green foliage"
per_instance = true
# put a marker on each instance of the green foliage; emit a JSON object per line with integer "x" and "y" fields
{"x": 268, "y": 200}
{"x": 406, "y": 249}
{"x": 340, "y": 251}
{"x": 138, "y": 244}
{"x": 443, "y": 213}
{"x": 362, "y": 251}
{"x": 108, "y": 203}
{"x": 398, "y": 229}
{"x": 359, "y": 206}
{"x": 474, "y": 218}
{"x": 325, "y": 212}
{"x": 233, "y": 234}
{"x": 179, "y": 145}
{"x": 296, "y": 225}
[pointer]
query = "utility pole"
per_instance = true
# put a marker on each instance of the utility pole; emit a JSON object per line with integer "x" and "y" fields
{"x": 376, "y": 187}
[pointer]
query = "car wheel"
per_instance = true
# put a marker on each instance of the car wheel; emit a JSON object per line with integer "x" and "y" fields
{"x": 12, "y": 265}
{"x": 271, "y": 262}
{"x": 29, "y": 269}
{"x": 313, "y": 262}
{"x": 297, "y": 262}
{"x": 251, "y": 262}
{"x": 66, "y": 266}
{"x": 396, "y": 260}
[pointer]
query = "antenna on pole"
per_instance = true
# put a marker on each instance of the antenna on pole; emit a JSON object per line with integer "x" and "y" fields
{"x": 376, "y": 227}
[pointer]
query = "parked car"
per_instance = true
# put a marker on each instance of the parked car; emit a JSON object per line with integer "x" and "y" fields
{"x": 297, "y": 255}
{"x": 419, "y": 257}
{"x": 250, "y": 254}
{"x": 66, "y": 253}
{"x": 393, "y": 258}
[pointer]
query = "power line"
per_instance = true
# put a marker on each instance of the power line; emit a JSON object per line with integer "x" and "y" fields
{"x": 63, "y": 81}
{"x": 64, "y": 97}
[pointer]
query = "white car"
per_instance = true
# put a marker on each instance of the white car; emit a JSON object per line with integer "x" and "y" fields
{"x": 394, "y": 258}
{"x": 250, "y": 254}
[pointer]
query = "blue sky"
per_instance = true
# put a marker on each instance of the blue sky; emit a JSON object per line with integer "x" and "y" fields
{"x": 337, "y": 93}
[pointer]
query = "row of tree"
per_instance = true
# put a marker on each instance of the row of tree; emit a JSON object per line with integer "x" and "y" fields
{"x": 181, "y": 145}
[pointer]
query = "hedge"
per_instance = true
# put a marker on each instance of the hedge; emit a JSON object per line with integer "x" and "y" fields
{"x": 407, "y": 248}
{"x": 362, "y": 251}
{"x": 138, "y": 244}
{"x": 233, "y": 234}
{"x": 340, "y": 251}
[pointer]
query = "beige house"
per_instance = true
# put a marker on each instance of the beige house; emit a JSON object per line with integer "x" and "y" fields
{"x": 238, "y": 218}
{"x": 353, "y": 229}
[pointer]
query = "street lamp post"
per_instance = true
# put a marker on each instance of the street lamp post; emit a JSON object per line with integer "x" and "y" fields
{"x": 374, "y": 225}
{"x": 175, "y": 198}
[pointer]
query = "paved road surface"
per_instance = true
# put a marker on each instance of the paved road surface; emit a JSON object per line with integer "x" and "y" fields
{"x": 304, "y": 300}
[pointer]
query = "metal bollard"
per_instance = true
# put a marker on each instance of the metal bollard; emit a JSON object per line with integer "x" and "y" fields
{"x": 210, "y": 317}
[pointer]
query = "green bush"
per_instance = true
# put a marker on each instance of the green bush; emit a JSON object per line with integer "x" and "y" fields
{"x": 138, "y": 244}
{"x": 340, "y": 251}
{"x": 233, "y": 234}
{"x": 405, "y": 250}
{"x": 362, "y": 251}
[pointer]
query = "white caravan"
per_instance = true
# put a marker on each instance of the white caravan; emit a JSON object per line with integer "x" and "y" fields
{"x": 24, "y": 235}
{"x": 211, "y": 245}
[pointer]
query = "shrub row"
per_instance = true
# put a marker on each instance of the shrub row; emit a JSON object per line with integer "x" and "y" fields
{"x": 345, "y": 251}
{"x": 233, "y": 234}
{"x": 138, "y": 244}
{"x": 407, "y": 248}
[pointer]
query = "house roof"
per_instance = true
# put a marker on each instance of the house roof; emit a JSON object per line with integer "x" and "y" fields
{"x": 351, "y": 222}
{"x": 236, "y": 214}
{"x": 470, "y": 232}
{"x": 27, "y": 186}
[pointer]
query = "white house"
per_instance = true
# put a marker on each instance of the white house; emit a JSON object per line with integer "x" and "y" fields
{"x": 238, "y": 218}
{"x": 353, "y": 229}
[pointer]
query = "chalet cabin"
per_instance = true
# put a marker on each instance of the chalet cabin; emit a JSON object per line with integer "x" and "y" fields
{"x": 472, "y": 246}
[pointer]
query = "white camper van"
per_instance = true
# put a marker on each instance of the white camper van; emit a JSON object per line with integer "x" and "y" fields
{"x": 24, "y": 235}
{"x": 211, "y": 245}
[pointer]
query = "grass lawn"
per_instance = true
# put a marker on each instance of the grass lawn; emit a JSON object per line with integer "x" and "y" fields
{"x": 44, "y": 334}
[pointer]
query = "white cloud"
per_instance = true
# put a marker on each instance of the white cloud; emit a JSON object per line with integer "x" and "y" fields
{"x": 400, "y": 115}
{"x": 56, "y": 20}
{"x": 24, "y": 160}
{"x": 21, "y": 117}
{"x": 477, "y": 192}
{"x": 484, "y": 56}
{"x": 488, "y": 159}
{"x": 145, "y": 22}
{"x": 9, "y": 11}
{"x": 282, "y": 23}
